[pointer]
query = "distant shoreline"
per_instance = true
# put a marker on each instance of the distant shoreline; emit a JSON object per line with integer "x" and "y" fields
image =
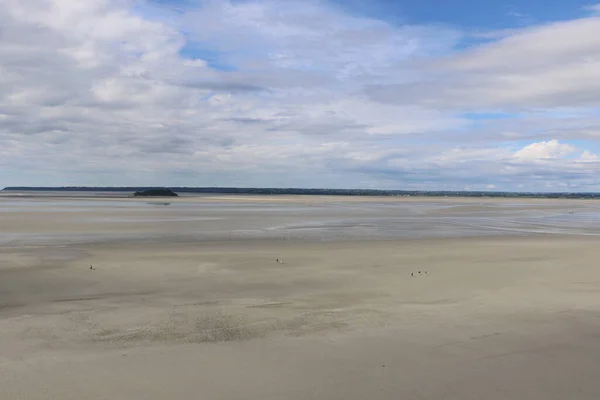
{"x": 312, "y": 192}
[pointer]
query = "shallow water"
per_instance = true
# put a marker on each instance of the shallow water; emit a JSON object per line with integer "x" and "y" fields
{"x": 48, "y": 220}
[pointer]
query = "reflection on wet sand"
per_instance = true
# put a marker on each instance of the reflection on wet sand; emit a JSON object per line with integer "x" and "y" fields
{"x": 33, "y": 221}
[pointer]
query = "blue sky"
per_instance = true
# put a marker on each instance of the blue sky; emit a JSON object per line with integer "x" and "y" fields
{"x": 489, "y": 14}
{"x": 400, "y": 94}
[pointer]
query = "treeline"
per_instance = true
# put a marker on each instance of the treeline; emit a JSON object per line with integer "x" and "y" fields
{"x": 321, "y": 192}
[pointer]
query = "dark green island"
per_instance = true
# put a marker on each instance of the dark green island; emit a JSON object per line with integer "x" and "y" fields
{"x": 155, "y": 193}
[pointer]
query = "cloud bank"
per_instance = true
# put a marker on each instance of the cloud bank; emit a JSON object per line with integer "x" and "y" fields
{"x": 273, "y": 93}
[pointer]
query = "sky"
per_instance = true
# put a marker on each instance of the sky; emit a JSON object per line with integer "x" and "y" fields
{"x": 388, "y": 94}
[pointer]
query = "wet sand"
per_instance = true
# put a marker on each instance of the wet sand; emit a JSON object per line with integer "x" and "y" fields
{"x": 488, "y": 317}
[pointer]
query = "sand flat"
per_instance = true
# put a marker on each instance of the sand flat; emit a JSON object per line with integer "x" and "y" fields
{"x": 494, "y": 317}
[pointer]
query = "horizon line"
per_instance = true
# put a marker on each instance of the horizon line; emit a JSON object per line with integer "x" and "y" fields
{"x": 220, "y": 189}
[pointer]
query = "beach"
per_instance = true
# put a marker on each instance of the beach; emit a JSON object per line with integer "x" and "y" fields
{"x": 298, "y": 297}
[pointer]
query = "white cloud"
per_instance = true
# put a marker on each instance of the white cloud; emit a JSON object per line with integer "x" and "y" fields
{"x": 465, "y": 154}
{"x": 99, "y": 85}
{"x": 308, "y": 35}
{"x": 551, "y": 65}
{"x": 544, "y": 151}
{"x": 273, "y": 93}
{"x": 587, "y": 156}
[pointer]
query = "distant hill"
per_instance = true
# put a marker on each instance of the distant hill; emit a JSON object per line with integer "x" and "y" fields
{"x": 316, "y": 192}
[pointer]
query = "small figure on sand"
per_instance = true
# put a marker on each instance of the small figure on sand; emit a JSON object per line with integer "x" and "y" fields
{"x": 279, "y": 261}
{"x": 92, "y": 268}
